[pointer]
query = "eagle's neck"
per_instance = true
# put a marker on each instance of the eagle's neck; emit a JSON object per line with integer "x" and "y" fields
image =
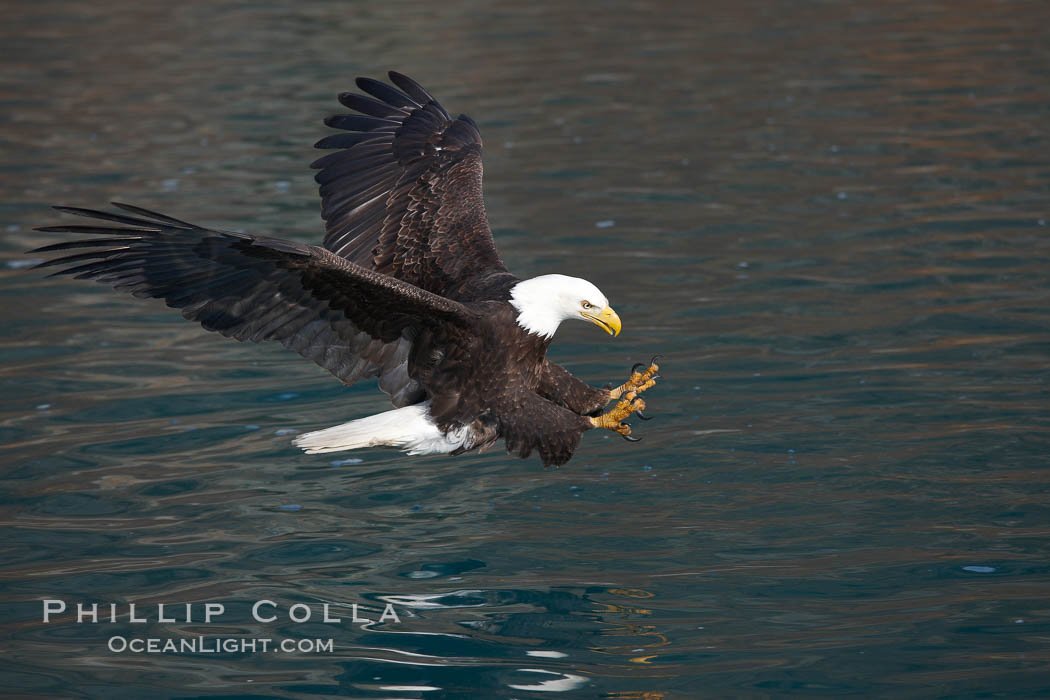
{"x": 537, "y": 323}
{"x": 538, "y": 314}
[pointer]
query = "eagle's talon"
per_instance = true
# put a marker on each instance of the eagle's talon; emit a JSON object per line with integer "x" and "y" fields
{"x": 631, "y": 438}
{"x": 613, "y": 419}
{"x": 638, "y": 381}
{"x": 642, "y": 416}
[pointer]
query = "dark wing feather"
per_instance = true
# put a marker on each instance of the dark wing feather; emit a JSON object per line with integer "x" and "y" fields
{"x": 352, "y": 321}
{"x": 404, "y": 196}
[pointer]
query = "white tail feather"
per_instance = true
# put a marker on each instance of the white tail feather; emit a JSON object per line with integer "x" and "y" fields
{"x": 409, "y": 428}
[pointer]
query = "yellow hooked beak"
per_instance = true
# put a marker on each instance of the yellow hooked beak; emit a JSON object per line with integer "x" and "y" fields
{"x": 606, "y": 319}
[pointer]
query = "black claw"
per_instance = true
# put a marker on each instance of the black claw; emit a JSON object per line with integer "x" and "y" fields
{"x": 636, "y": 366}
{"x": 655, "y": 358}
{"x": 631, "y": 438}
{"x": 642, "y": 415}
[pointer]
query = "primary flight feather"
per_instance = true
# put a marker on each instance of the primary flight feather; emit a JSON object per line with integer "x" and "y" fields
{"x": 408, "y": 287}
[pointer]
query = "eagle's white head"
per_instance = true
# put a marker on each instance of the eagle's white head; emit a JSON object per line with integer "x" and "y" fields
{"x": 544, "y": 302}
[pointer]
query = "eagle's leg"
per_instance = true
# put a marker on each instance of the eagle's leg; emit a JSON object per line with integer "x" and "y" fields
{"x": 638, "y": 381}
{"x": 613, "y": 419}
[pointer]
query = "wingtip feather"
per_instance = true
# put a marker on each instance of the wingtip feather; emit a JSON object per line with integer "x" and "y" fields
{"x": 390, "y": 95}
{"x": 411, "y": 87}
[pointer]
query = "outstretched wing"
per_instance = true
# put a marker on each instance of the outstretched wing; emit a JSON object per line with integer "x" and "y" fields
{"x": 403, "y": 195}
{"x": 352, "y": 321}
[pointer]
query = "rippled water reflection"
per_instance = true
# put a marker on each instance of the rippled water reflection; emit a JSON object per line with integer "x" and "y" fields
{"x": 831, "y": 220}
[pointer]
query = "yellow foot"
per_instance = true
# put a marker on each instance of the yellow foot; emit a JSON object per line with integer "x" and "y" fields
{"x": 638, "y": 381}
{"x": 613, "y": 420}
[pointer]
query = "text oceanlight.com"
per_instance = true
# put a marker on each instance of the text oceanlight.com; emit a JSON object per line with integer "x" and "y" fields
{"x": 216, "y": 645}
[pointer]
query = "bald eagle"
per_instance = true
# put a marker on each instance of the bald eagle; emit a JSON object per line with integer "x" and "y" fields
{"x": 408, "y": 287}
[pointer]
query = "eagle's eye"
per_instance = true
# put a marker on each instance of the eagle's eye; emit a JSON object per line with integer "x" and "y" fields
{"x": 588, "y": 305}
